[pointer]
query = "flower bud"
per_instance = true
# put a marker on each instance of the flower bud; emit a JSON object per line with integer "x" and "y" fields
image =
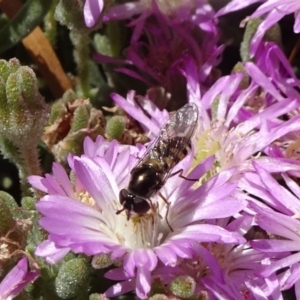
{"x": 272, "y": 34}
{"x": 159, "y": 297}
{"x": 98, "y": 297}
{"x": 239, "y": 68}
{"x": 72, "y": 278}
{"x": 101, "y": 261}
{"x": 115, "y": 127}
{"x": 28, "y": 203}
{"x": 183, "y": 286}
{"x": 80, "y": 118}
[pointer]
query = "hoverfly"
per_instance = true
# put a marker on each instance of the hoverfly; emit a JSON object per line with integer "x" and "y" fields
{"x": 155, "y": 167}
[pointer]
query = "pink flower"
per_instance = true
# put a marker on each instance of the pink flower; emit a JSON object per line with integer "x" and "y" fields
{"x": 159, "y": 44}
{"x": 86, "y": 221}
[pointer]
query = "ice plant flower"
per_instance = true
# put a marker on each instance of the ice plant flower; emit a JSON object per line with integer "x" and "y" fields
{"x": 286, "y": 229}
{"x": 277, "y": 212}
{"x": 274, "y": 10}
{"x": 227, "y": 129}
{"x": 225, "y": 271}
{"x": 239, "y": 268}
{"x": 16, "y": 280}
{"x": 240, "y": 280}
{"x": 86, "y": 221}
{"x": 158, "y": 46}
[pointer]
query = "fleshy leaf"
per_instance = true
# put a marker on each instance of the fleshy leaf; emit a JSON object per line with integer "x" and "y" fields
{"x": 29, "y": 16}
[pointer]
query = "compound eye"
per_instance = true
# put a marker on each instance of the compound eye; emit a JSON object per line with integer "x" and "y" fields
{"x": 140, "y": 205}
{"x": 123, "y": 196}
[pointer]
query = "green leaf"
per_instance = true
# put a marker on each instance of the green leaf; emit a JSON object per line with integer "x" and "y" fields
{"x": 29, "y": 16}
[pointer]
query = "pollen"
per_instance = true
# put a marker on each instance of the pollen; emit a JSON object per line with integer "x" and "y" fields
{"x": 136, "y": 219}
{"x": 206, "y": 146}
{"x": 85, "y": 198}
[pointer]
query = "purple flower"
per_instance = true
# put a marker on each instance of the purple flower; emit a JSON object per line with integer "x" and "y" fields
{"x": 91, "y": 11}
{"x": 86, "y": 221}
{"x": 225, "y": 271}
{"x": 16, "y": 280}
{"x": 281, "y": 223}
{"x": 160, "y": 43}
{"x": 237, "y": 268}
{"x": 228, "y": 130}
{"x": 285, "y": 227}
{"x": 231, "y": 132}
{"x": 274, "y": 10}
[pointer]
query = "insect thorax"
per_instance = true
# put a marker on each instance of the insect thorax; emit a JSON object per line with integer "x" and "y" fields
{"x": 146, "y": 180}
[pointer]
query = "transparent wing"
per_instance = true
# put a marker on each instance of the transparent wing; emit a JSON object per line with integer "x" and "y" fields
{"x": 173, "y": 141}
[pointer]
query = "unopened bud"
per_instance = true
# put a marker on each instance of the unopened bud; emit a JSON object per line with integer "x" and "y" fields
{"x": 183, "y": 286}
{"x": 72, "y": 278}
{"x": 239, "y": 68}
{"x": 98, "y": 297}
{"x": 159, "y": 297}
{"x": 101, "y": 261}
{"x": 28, "y": 203}
{"x": 80, "y": 118}
{"x": 272, "y": 34}
{"x": 115, "y": 127}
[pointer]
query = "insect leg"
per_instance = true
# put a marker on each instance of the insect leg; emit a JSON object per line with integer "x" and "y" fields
{"x": 126, "y": 210}
{"x": 181, "y": 176}
{"x": 168, "y": 208}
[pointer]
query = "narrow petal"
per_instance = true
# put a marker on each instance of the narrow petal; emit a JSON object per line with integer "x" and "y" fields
{"x": 92, "y": 10}
{"x": 280, "y": 264}
{"x": 50, "y": 252}
{"x": 37, "y": 182}
{"x": 234, "y": 6}
{"x": 105, "y": 189}
{"x": 143, "y": 283}
{"x": 275, "y": 245}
